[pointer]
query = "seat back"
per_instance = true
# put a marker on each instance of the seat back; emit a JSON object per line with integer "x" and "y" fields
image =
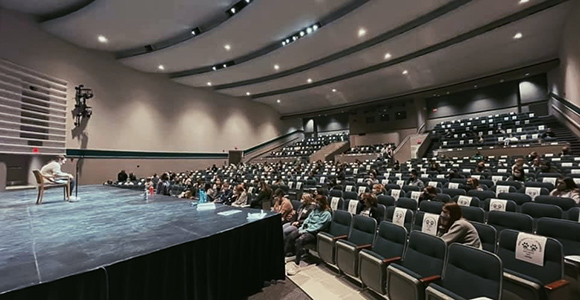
{"x": 565, "y": 231}
{"x": 386, "y": 200}
{"x": 516, "y": 184}
{"x": 425, "y": 254}
{"x": 363, "y": 230}
{"x": 391, "y": 240}
{"x": 481, "y": 195}
{"x": 501, "y": 220}
{"x": 408, "y": 222}
{"x": 466, "y": 200}
{"x": 510, "y": 205}
{"x": 296, "y": 205}
{"x": 38, "y": 177}
{"x": 564, "y": 203}
{"x": 433, "y": 207}
{"x": 336, "y": 193}
{"x": 540, "y": 210}
{"x": 487, "y": 235}
{"x": 340, "y": 225}
{"x": 350, "y": 195}
{"x": 453, "y": 192}
{"x": 553, "y": 264}
{"x": 461, "y": 272}
{"x": 574, "y": 214}
{"x": 407, "y": 203}
{"x": 472, "y": 213}
{"x": 443, "y": 198}
{"x": 518, "y": 198}
{"x": 336, "y": 203}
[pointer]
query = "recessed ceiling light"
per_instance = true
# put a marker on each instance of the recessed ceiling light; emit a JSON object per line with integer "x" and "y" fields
{"x": 276, "y": 67}
{"x": 524, "y": 1}
{"x": 302, "y": 33}
{"x": 475, "y": 86}
{"x": 208, "y": 83}
{"x": 527, "y": 74}
{"x": 227, "y": 47}
{"x": 388, "y": 55}
{"x": 501, "y": 80}
{"x": 225, "y": 66}
{"x": 161, "y": 67}
{"x": 405, "y": 72}
{"x": 362, "y": 32}
{"x": 334, "y": 90}
{"x": 214, "y": 68}
{"x": 248, "y": 94}
{"x": 309, "y": 80}
{"x": 518, "y": 36}
{"x": 314, "y": 27}
{"x": 309, "y": 30}
{"x": 102, "y": 39}
{"x": 278, "y": 101}
{"x": 233, "y": 10}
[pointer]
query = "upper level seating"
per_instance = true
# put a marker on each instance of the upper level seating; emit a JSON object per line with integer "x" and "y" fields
{"x": 309, "y": 145}
{"x": 489, "y": 131}
{"x": 368, "y": 149}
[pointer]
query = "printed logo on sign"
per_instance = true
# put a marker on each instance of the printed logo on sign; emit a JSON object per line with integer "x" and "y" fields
{"x": 497, "y": 205}
{"x": 464, "y": 201}
{"x": 530, "y": 248}
{"x": 399, "y": 215}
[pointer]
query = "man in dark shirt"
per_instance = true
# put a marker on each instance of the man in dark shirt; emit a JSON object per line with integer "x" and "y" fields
{"x": 122, "y": 176}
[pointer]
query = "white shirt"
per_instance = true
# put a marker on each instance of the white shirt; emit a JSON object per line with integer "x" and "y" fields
{"x": 52, "y": 169}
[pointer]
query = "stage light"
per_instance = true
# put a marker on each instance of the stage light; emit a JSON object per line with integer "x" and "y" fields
{"x": 334, "y": 90}
{"x": 214, "y": 68}
{"x": 314, "y": 27}
{"x": 518, "y": 36}
{"x": 102, "y": 39}
{"x": 225, "y": 66}
{"x": 283, "y": 43}
{"x": 294, "y": 38}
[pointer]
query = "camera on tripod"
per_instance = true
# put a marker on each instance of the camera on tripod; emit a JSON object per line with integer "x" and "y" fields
{"x": 82, "y": 110}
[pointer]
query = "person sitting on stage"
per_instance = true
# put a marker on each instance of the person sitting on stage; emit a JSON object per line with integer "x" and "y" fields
{"x": 122, "y": 176}
{"x": 283, "y": 206}
{"x": 240, "y": 196}
{"x": 306, "y": 207}
{"x": 453, "y": 228}
{"x": 55, "y": 175}
{"x": 567, "y": 188}
{"x": 265, "y": 195}
{"x": 317, "y": 221}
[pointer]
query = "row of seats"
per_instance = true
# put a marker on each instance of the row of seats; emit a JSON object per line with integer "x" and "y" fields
{"x": 310, "y": 145}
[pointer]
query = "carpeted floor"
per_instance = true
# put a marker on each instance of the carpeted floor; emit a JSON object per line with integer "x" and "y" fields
{"x": 282, "y": 290}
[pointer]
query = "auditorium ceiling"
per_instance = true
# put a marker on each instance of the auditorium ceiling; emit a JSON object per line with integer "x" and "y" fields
{"x": 304, "y": 56}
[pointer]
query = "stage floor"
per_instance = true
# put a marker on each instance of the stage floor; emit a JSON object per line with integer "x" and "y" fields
{"x": 57, "y": 239}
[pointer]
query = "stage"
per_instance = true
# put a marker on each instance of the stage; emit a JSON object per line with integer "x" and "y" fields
{"x": 112, "y": 244}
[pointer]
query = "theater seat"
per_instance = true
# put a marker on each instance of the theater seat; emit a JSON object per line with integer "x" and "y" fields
{"x": 407, "y": 203}
{"x": 531, "y": 281}
{"x": 481, "y": 195}
{"x": 408, "y": 218}
{"x": 487, "y": 235}
{"x": 460, "y": 273}
{"x": 472, "y": 213}
{"x": 422, "y": 263}
{"x": 389, "y": 245}
{"x": 501, "y": 220}
{"x": 564, "y": 203}
{"x": 518, "y": 198}
{"x": 386, "y": 200}
{"x": 339, "y": 229}
{"x": 541, "y": 210}
{"x": 362, "y": 236}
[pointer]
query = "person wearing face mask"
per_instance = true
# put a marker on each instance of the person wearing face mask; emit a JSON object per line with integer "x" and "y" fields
{"x": 414, "y": 180}
{"x": 370, "y": 207}
{"x": 379, "y": 189}
{"x": 567, "y": 188}
{"x": 518, "y": 174}
{"x": 453, "y": 228}
{"x": 429, "y": 193}
{"x": 318, "y": 220}
{"x": 307, "y": 205}
{"x": 473, "y": 184}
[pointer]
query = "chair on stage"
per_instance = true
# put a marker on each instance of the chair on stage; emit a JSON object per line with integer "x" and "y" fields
{"x": 49, "y": 184}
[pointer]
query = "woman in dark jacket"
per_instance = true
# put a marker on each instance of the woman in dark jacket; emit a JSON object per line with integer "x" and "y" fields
{"x": 370, "y": 207}
{"x": 429, "y": 193}
{"x": 265, "y": 195}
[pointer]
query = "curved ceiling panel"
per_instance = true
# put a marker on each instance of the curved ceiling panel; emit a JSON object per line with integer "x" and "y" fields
{"x": 130, "y": 23}
{"x": 376, "y": 17}
{"x": 40, "y": 8}
{"x": 489, "y": 53}
{"x": 473, "y": 15}
{"x": 263, "y": 23}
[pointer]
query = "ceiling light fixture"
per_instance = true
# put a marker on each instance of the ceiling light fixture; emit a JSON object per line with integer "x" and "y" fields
{"x": 278, "y": 101}
{"x": 208, "y": 83}
{"x": 236, "y": 8}
{"x": 276, "y": 67}
{"x": 161, "y": 67}
{"x": 405, "y": 72}
{"x": 518, "y": 36}
{"x": 388, "y": 55}
{"x": 214, "y": 68}
{"x": 233, "y": 10}
{"x": 334, "y": 90}
{"x": 309, "y": 80}
{"x": 195, "y": 31}
{"x": 227, "y": 47}
{"x": 524, "y": 1}
{"x": 102, "y": 39}
{"x": 362, "y": 32}
{"x": 300, "y": 34}
{"x": 527, "y": 74}
{"x": 248, "y": 94}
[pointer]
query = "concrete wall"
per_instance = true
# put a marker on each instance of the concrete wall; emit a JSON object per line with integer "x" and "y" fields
{"x": 381, "y": 138}
{"x": 134, "y": 111}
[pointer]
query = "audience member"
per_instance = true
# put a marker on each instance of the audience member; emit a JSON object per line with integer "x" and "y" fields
{"x": 414, "y": 180}
{"x": 565, "y": 151}
{"x": 264, "y": 195}
{"x": 370, "y": 207}
{"x": 318, "y": 220}
{"x": 518, "y": 174}
{"x": 283, "y": 206}
{"x": 473, "y": 184}
{"x": 477, "y": 156}
{"x": 240, "y": 196}
{"x": 163, "y": 185}
{"x": 429, "y": 193}
{"x": 307, "y": 205}
{"x": 566, "y": 188}
{"x": 372, "y": 179}
{"x": 548, "y": 135}
{"x": 480, "y": 167}
{"x": 122, "y": 176}
{"x": 453, "y": 228}
{"x": 379, "y": 189}
{"x": 510, "y": 139}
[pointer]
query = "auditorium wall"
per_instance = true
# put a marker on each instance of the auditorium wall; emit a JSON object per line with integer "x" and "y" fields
{"x": 134, "y": 111}
{"x": 564, "y": 81}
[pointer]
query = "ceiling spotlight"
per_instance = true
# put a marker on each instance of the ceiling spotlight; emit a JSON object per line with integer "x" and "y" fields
{"x": 524, "y": 1}
{"x": 518, "y": 36}
{"x": 308, "y": 30}
{"x": 388, "y": 55}
{"x": 208, "y": 83}
{"x": 193, "y": 32}
{"x": 283, "y": 43}
{"x": 405, "y": 72}
{"x": 227, "y": 47}
{"x": 287, "y": 41}
{"x": 278, "y": 101}
{"x": 475, "y": 86}
{"x": 302, "y": 33}
{"x": 334, "y": 90}
{"x": 161, "y": 67}
{"x": 294, "y": 38}
{"x": 314, "y": 27}
{"x": 502, "y": 80}
{"x": 276, "y": 67}
{"x": 225, "y": 66}
{"x": 309, "y": 80}
{"x": 233, "y": 10}
{"x": 362, "y": 32}
{"x": 102, "y": 39}
{"x": 248, "y": 1}
{"x": 214, "y": 68}
{"x": 248, "y": 94}
{"x": 527, "y": 74}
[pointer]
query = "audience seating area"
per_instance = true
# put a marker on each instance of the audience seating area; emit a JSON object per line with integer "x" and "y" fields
{"x": 369, "y": 149}
{"x": 525, "y": 128}
{"x": 310, "y": 145}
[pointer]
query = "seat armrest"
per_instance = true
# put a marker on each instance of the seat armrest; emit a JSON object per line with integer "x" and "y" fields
{"x": 429, "y": 279}
{"x": 339, "y": 237}
{"x": 367, "y": 246}
{"x": 556, "y": 284}
{"x": 392, "y": 259}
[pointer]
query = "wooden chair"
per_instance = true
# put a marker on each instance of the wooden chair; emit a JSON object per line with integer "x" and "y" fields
{"x": 45, "y": 185}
